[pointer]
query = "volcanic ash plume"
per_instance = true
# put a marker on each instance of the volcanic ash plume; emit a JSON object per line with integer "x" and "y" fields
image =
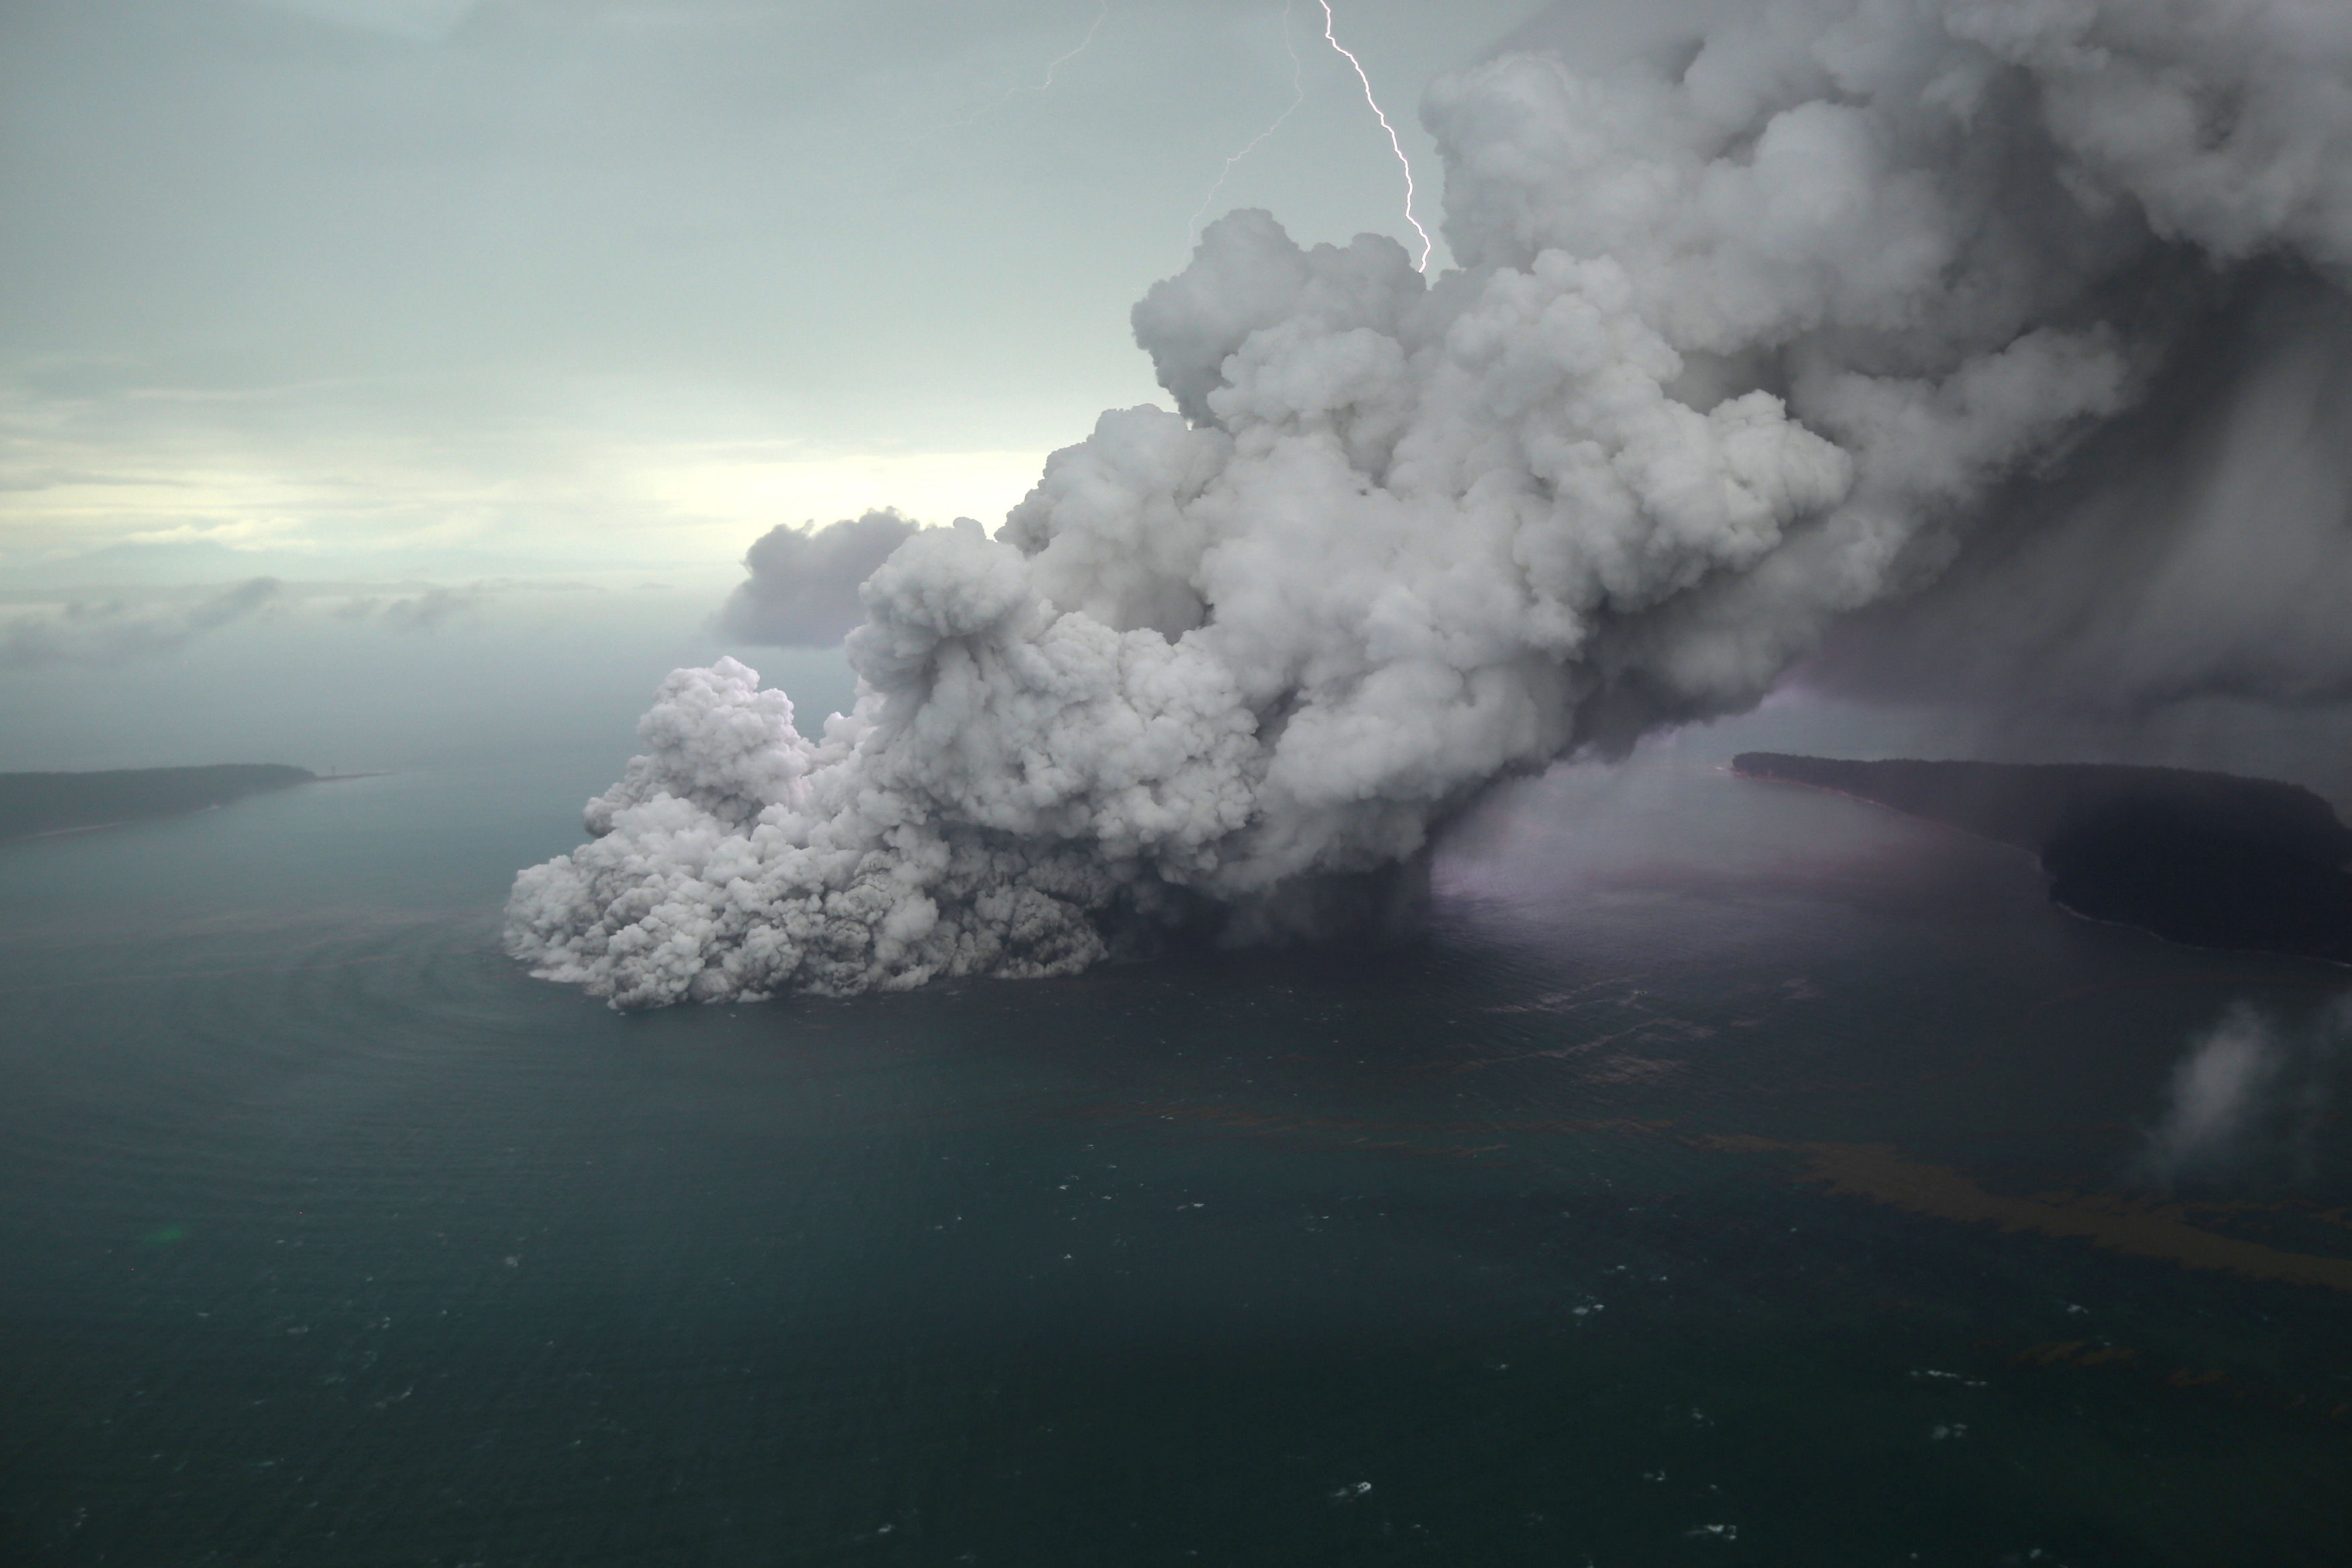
{"x": 1735, "y": 350}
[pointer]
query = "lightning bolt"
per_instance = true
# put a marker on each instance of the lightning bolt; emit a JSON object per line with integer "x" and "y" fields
{"x": 1102, "y": 11}
{"x": 1298, "y": 97}
{"x": 1330, "y": 36}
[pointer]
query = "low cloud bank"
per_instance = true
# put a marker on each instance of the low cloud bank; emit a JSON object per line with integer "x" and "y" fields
{"x": 1742, "y": 344}
{"x": 113, "y": 631}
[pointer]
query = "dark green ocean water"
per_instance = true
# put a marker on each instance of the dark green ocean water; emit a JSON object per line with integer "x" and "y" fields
{"x": 327, "y": 1238}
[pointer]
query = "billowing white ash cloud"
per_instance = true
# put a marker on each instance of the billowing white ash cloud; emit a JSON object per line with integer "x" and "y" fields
{"x": 1735, "y": 351}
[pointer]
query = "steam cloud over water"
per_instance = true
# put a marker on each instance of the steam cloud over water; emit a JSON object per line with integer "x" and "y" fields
{"x": 2249, "y": 1096}
{"x": 1738, "y": 349}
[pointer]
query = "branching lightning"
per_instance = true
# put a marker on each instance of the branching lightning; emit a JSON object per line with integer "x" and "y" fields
{"x": 1298, "y": 97}
{"x": 1330, "y": 36}
{"x": 1102, "y": 12}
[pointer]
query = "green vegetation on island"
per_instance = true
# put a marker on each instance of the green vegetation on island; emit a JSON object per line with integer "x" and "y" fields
{"x": 35, "y": 803}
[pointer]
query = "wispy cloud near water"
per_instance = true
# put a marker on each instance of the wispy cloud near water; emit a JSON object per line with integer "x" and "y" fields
{"x": 112, "y": 632}
{"x": 2249, "y": 1098}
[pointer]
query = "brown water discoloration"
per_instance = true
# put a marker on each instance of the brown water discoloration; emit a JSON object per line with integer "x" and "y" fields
{"x": 2141, "y": 1227}
{"x": 1242, "y": 1119}
{"x": 1352, "y": 1134}
{"x": 2201, "y": 1382}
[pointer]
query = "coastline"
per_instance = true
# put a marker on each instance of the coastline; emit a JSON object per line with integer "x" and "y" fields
{"x": 48, "y": 805}
{"x": 2201, "y": 860}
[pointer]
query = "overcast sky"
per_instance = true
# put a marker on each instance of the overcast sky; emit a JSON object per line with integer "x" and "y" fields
{"x": 462, "y": 285}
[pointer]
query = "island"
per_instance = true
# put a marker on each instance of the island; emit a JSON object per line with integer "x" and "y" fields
{"x": 2207, "y": 859}
{"x": 32, "y": 804}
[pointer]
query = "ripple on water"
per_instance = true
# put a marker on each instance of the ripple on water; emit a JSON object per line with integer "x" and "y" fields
{"x": 310, "y": 1198}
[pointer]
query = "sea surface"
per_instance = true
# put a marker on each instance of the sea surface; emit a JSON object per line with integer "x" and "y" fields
{"x": 1730, "y": 1174}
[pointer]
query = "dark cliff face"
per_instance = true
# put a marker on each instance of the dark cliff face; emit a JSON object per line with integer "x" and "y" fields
{"x": 33, "y": 803}
{"x": 2200, "y": 858}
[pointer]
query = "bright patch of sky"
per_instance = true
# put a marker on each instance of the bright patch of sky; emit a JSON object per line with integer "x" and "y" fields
{"x": 359, "y": 288}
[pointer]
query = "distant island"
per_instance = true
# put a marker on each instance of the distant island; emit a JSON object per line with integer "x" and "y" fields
{"x": 32, "y": 804}
{"x": 2200, "y": 858}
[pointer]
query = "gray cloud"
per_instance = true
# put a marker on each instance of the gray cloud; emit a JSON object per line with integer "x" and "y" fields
{"x": 112, "y": 630}
{"x": 803, "y": 588}
{"x": 427, "y": 607}
{"x": 430, "y": 608}
{"x": 408, "y": 259}
{"x": 2200, "y": 548}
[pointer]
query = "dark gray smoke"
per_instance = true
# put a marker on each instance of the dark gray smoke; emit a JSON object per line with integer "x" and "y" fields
{"x": 2200, "y": 547}
{"x": 1748, "y": 338}
{"x": 803, "y": 588}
